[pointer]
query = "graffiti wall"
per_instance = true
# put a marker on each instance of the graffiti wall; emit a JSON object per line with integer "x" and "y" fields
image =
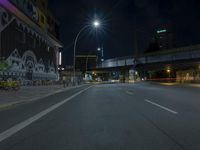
{"x": 28, "y": 54}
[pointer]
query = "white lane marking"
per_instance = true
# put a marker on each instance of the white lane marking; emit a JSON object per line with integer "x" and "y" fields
{"x": 128, "y": 92}
{"x": 160, "y": 106}
{"x": 6, "y": 134}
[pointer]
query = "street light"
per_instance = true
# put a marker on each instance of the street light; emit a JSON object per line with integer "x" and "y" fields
{"x": 95, "y": 24}
{"x": 169, "y": 72}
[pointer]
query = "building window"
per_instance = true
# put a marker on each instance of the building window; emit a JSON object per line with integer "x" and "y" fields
{"x": 49, "y": 20}
{"x": 42, "y": 19}
{"x": 48, "y": 48}
{"x": 43, "y": 5}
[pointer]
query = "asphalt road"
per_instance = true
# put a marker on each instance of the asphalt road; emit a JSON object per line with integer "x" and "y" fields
{"x": 142, "y": 116}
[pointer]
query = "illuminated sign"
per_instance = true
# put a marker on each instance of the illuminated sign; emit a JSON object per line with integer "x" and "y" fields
{"x": 60, "y": 58}
{"x": 162, "y": 31}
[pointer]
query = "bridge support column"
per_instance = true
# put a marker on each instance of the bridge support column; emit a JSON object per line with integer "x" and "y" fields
{"x": 134, "y": 76}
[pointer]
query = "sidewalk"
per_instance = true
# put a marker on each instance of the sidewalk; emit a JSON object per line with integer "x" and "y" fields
{"x": 27, "y": 94}
{"x": 196, "y": 85}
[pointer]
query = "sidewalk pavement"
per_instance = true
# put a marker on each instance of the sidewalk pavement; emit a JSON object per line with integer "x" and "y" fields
{"x": 196, "y": 85}
{"x": 27, "y": 94}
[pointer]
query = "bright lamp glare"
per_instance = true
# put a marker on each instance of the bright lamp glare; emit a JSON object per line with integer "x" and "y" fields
{"x": 168, "y": 70}
{"x": 96, "y": 23}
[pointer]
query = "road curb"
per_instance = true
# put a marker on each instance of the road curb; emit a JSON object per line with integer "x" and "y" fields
{"x": 12, "y": 104}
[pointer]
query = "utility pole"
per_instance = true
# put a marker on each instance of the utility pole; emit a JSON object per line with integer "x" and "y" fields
{"x": 135, "y": 50}
{"x": 102, "y": 53}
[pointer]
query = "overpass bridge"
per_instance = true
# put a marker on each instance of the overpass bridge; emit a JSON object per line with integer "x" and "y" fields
{"x": 184, "y": 56}
{"x": 177, "y": 61}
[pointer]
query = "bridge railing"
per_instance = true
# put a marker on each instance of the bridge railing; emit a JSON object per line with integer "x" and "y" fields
{"x": 186, "y": 53}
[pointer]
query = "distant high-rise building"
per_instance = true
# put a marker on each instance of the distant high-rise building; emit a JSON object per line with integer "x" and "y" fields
{"x": 164, "y": 39}
{"x": 29, "y": 40}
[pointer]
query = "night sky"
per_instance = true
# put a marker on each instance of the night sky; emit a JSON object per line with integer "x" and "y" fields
{"x": 120, "y": 19}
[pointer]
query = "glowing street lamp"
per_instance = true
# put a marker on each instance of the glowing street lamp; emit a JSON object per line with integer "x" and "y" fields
{"x": 95, "y": 24}
{"x": 168, "y": 70}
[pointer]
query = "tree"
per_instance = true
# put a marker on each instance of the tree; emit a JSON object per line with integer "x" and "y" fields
{"x": 3, "y": 65}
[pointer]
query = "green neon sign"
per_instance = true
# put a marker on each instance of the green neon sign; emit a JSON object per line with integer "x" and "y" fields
{"x": 162, "y": 31}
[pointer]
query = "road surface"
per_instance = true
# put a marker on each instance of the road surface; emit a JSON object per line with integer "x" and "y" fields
{"x": 141, "y": 116}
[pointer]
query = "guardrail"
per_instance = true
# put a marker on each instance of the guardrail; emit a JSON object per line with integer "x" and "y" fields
{"x": 167, "y": 57}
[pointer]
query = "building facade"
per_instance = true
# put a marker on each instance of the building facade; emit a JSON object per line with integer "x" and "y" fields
{"x": 164, "y": 39}
{"x": 28, "y": 40}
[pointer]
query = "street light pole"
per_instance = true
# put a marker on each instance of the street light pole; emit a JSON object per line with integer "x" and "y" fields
{"x": 74, "y": 60}
{"x": 95, "y": 24}
{"x": 86, "y": 63}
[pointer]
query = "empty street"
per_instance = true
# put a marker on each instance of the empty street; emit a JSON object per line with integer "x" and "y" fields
{"x": 106, "y": 117}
